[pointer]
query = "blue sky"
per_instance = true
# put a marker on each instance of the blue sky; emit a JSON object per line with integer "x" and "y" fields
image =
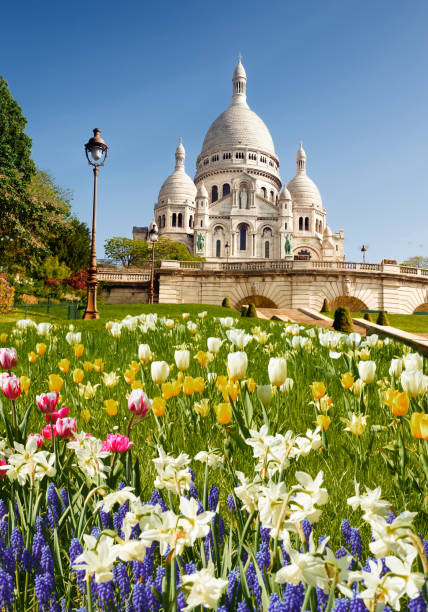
{"x": 347, "y": 77}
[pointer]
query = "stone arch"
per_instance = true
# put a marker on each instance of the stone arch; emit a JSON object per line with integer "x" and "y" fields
{"x": 353, "y": 303}
{"x": 422, "y": 308}
{"x": 260, "y": 301}
{"x": 304, "y": 247}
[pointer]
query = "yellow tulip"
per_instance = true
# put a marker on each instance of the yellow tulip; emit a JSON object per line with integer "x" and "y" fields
{"x": 98, "y": 365}
{"x": 41, "y": 348}
{"x": 389, "y": 396}
{"x": 251, "y": 384}
{"x": 78, "y": 375}
{"x": 231, "y": 391}
{"x": 64, "y": 365}
{"x": 129, "y": 376}
{"x": 134, "y": 365}
{"x": 78, "y": 350}
{"x": 202, "y": 407}
{"x": 357, "y": 424}
{"x": 138, "y": 384}
{"x": 159, "y": 406}
{"x": 32, "y": 357}
{"x": 25, "y": 384}
{"x": 419, "y": 425}
{"x": 364, "y": 354}
{"x": 188, "y": 385}
{"x": 87, "y": 366}
{"x": 224, "y": 413}
{"x": 400, "y": 404}
{"x": 199, "y": 384}
{"x": 323, "y": 421}
{"x": 204, "y": 358}
{"x": 86, "y": 415}
{"x": 110, "y": 406}
{"x": 3, "y": 338}
{"x": 347, "y": 380}
{"x": 55, "y": 382}
{"x": 318, "y": 389}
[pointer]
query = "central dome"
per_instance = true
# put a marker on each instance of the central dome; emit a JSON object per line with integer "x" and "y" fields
{"x": 238, "y": 125}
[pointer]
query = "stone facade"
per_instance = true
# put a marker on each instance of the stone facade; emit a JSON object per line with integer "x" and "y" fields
{"x": 237, "y": 208}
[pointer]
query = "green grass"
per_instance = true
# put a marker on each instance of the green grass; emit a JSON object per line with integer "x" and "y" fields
{"x": 411, "y": 323}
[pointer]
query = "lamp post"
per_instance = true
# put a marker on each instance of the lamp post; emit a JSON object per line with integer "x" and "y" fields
{"x": 96, "y": 154}
{"x": 226, "y": 246}
{"x": 153, "y": 237}
{"x": 364, "y": 249}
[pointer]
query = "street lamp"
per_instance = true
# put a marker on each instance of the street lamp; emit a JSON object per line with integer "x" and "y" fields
{"x": 226, "y": 246}
{"x": 153, "y": 237}
{"x": 96, "y": 154}
{"x": 364, "y": 249}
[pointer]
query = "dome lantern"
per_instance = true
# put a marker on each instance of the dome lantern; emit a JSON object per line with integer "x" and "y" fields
{"x": 239, "y": 80}
{"x": 301, "y": 160}
{"x": 180, "y": 155}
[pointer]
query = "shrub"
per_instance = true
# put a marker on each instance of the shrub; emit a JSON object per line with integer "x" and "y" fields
{"x": 368, "y": 317}
{"x": 226, "y": 303}
{"x": 29, "y": 299}
{"x": 382, "y": 318}
{"x": 7, "y": 293}
{"x": 325, "y": 306}
{"x": 342, "y": 320}
{"x": 244, "y": 311}
{"x": 252, "y": 312}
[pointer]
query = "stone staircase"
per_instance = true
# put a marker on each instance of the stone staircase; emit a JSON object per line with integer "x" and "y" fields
{"x": 303, "y": 316}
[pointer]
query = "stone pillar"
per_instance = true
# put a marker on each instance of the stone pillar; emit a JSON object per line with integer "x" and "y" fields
{"x": 253, "y": 245}
{"x": 233, "y": 247}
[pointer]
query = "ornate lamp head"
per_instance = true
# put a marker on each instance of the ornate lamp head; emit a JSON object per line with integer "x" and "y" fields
{"x": 97, "y": 149}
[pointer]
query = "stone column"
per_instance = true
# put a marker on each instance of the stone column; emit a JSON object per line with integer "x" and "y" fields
{"x": 253, "y": 245}
{"x": 233, "y": 247}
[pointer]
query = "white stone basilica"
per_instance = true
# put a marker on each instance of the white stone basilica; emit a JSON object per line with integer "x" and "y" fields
{"x": 235, "y": 209}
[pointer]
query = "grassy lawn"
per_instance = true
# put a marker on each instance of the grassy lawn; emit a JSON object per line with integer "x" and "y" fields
{"x": 410, "y": 323}
{"x": 112, "y": 312}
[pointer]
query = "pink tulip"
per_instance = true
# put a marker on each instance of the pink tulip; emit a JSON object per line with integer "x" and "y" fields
{"x": 47, "y": 432}
{"x": 38, "y": 438}
{"x": 116, "y": 443}
{"x": 11, "y": 386}
{"x": 66, "y": 428}
{"x": 58, "y": 414}
{"x": 47, "y": 402}
{"x": 3, "y": 471}
{"x": 8, "y": 358}
{"x": 139, "y": 403}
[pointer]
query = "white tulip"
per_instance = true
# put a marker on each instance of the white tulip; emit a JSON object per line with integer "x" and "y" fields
{"x": 159, "y": 371}
{"x": 214, "y": 345}
{"x": 413, "y": 361}
{"x": 287, "y": 386}
{"x": 144, "y": 353}
{"x": 237, "y": 364}
{"x": 372, "y": 340}
{"x": 277, "y": 370}
{"x": 353, "y": 339}
{"x": 43, "y": 329}
{"x": 396, "y": 367}
{"x": 265, "y": 394}
{"x": 182, "y": 359}
{"x": 73, "y": 338}
{"x": 226, "y": 322}
{"x": 413, "y": 382}
{"x": 367, "y": 370}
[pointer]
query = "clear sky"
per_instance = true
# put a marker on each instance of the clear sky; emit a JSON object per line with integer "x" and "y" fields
{"x": 348, "y": 77}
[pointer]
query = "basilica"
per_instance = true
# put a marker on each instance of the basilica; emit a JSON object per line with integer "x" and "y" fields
{"x": 237, "y": 208}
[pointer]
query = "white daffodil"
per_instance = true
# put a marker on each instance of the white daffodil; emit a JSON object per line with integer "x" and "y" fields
{"x": 211, "y": 457}
{"x": 272, "y": 504}
{"x": 385, "y": 589}
{"x": 392, "y": 538}
{"x": 117, "y": 497}
{"x": 370, "y": 503}
{"x": 89, "y": 458}
{"x": 203, "y": 589}
{"x": 97, "y": 558}
{"x": 248, "y": 492}
{"x": 305, "y": 567}
{"x": 195, "y": 524}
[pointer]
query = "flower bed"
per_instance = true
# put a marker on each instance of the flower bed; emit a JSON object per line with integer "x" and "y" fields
{"x": 179, "y": 464}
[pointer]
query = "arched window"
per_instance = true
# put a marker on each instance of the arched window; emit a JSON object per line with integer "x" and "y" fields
{"x": 300, "y": 223}
{"x": 214, "y": 193}
{"x": 307, "y": 224}
{"x": 267, "y": 244}
{"x": 201, "y": 223}
{"x": 218, "y": 248}
{"x": 226, "y": 189}
{"x": 174, "y": 220}
{"x": 272, "y": 195}
{"x": 285, "y": 226}
{"x": 320, "y": 227}
{"x": 180, "y": 220}
{"x": 191, "y": 221}
{"x": 264, "y": 192}
{"x": 159, "y": 221}
{"x": 242, "y": 237}
{"x": 163, "y": 220}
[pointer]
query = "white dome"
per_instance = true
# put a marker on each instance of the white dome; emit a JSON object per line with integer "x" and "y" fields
{"x": 238, "y": 125}
{"x": 202, "y": 191}
{"x": 179, "y": 185}
{"x": 285, "y": 194}
{"x": 304, "y": 191}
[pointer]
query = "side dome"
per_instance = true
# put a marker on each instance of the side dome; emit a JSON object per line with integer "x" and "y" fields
{"x": 179, "y": 185}
{"x": 202, "y": 191}
{"x": 302, "y": 189}
{"x": 238, "y": 125}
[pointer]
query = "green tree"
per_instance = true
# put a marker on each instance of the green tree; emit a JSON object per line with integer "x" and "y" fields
{"x": 418, "y": 261}
{"x": 130, "y": 252}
